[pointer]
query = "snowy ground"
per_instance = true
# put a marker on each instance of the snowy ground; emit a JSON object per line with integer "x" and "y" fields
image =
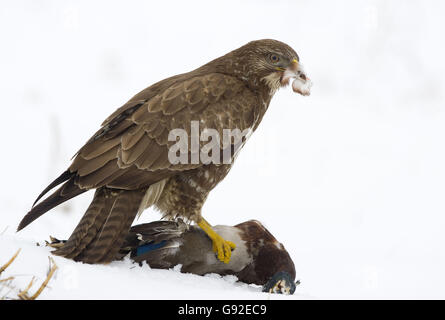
{"x": 351, "y": 179}
{"x": 118, "y": 280}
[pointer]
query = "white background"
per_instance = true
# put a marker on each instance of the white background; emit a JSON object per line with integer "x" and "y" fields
{"x": 350, "y": 179}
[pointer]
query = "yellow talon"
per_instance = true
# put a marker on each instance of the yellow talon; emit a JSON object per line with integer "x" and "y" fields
{"x": 221, "y": 247}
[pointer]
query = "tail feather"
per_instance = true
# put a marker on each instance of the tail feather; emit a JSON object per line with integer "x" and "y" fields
{"x": 67, "y": 191}
{"x": 119, "y": 238}
{"x": 102, "y": 230}
{"x": 88, "y": 227}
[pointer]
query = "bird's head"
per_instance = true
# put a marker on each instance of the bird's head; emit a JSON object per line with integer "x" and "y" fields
{"x": 269, "y": 257}
{"x": 269, "y": 63}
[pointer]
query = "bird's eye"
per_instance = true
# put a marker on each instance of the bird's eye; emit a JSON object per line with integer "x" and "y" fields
{"x": 274, "y": 58}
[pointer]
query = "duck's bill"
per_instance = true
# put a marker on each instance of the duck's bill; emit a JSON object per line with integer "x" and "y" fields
{"x": 281, "y": 283}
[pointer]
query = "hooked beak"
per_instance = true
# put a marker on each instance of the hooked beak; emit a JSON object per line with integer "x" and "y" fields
{"x": 301, "y": 84}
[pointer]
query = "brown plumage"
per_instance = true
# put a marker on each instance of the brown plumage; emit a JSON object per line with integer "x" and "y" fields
{"x": 127, "y": 159}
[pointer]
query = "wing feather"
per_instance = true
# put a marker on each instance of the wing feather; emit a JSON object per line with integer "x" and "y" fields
{"x": 131, "y": 149}
{"x": 129, "y": 140}
{"x": 94, "y": 164}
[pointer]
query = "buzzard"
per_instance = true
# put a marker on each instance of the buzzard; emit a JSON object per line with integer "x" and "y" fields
{"x": 127, "y": 160}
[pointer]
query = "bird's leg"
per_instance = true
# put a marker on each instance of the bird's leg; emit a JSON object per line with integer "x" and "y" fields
{"x": 221, "y": 247}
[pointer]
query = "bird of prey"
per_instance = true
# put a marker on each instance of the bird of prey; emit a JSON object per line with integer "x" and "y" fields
{"x": 258, "y": 258}
{"x": 127, "y": 160}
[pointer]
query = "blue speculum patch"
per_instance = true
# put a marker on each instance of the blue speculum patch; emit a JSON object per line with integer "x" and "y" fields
{"x": 149, "y": 247}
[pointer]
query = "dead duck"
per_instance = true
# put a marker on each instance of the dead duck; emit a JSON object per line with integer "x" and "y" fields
{"x": 258, "y": 258}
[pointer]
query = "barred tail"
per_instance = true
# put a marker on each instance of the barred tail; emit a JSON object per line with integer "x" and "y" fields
{"x": 102, "y": 230}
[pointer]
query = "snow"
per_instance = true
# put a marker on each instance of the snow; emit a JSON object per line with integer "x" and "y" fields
{"x": 117, "y": 280}
{"x": 349, "y": 179}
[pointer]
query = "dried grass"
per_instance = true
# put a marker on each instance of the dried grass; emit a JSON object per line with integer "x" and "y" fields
{"x": 7, "y": 284}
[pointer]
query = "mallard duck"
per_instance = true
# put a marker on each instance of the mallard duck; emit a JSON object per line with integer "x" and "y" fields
{"x": 258, "y": 258}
